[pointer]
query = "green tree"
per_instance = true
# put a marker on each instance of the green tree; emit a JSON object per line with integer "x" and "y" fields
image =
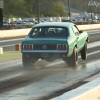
{"x": 28, "y": 8}
{"x": 58, "y": 9}
{"x": 18, "y": 8}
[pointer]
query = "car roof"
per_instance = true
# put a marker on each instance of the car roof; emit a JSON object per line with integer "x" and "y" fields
{"x": 55, "y": 24}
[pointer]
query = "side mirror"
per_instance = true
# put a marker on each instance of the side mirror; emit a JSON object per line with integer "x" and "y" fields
{"x": 80, "y": 31}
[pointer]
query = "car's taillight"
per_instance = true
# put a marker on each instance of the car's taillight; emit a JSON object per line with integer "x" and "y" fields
{"x": 58, "y": 47}
{"x": 61, "y": 47}
{"x": 28, "y": 46}
{"x": 65, "y": 47}
{"x": 31, "y": 47}
{"x": 25, "y": 47}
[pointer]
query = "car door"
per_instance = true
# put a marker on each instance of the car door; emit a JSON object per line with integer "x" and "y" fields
{"x": 80, "y": 38}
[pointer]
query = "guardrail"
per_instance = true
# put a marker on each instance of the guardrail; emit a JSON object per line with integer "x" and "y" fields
{"x": 22, "y": 32}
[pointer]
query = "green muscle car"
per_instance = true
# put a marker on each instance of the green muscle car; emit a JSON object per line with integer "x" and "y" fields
{"x": 54, "y": 40}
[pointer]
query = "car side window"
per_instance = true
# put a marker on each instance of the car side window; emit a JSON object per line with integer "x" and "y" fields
{"x": 72, "y": 30}
{"x": 34, "y": 32}
{"x": 76, "y": 32}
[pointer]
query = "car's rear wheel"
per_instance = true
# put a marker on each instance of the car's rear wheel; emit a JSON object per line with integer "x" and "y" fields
{"x": 27, "y": 61}
{"x": 84, "y": 52}
{"x": 73, "y": 60}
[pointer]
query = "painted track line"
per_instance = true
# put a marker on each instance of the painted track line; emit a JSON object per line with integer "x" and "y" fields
{"x": 11, "y": 40}
{"x": 10, "y": 45}
{"x": 79, "y": 57}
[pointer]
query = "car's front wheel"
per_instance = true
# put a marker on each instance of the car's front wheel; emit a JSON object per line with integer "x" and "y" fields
{"x": 27, "y": 61}
{"x": 73, "y": 60}
{"x": 84, "y": 52}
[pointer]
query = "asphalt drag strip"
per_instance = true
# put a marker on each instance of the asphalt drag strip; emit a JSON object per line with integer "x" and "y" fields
{"x": 50, "y": 84}
{"x": 53, "y": 83}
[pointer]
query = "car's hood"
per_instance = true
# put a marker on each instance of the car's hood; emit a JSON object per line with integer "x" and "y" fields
{"x": 52, "y": 40}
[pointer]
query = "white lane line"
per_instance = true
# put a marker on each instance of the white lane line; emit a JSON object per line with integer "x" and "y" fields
{"x": 12, "y": 76}
{"x": 94, "y": 30}
{"x": 10, "y": 45}
{"x": 11, "y": 40}
{"x": 93, "y": 33}
{"x": 94, "y": 44}
{"x": 92, "y": 53}
{"x": 60, "y": 62}
{"x": 94, "y": 62}
{"x": 11, "y": 65}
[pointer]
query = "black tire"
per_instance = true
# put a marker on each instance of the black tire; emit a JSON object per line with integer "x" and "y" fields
{"x": 73, "y": 60}
{"x": 84, "y": 52}
{"x": 27, "y": 61}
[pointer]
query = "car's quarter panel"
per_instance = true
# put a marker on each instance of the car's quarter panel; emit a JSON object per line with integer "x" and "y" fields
{"x": 81, "y": 40}
{"x": 72, "y": 41}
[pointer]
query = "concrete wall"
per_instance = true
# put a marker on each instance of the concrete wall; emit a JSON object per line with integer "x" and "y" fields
{"x": 89, "y": 91}
{"x": 89, "y": 27}
{"x": 21, "y": 32}
{"x": 14, "y": 33}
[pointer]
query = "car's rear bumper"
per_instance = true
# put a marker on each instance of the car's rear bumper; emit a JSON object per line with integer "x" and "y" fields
{"x": 44, "y": 51}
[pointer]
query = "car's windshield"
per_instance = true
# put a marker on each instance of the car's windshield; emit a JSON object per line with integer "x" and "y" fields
{"x": 49, "y": 31}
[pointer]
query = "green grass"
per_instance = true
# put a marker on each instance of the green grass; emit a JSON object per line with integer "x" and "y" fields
{"x": 10, "y": 55}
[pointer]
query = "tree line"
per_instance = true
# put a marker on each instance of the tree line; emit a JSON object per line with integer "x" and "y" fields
{"x": 28, "y": 8}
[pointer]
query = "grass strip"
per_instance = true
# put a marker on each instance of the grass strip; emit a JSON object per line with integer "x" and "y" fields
{"x": 7, "y": 55}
